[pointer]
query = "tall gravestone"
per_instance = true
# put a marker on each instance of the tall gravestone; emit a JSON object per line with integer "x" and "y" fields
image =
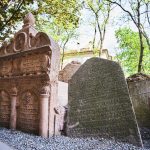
{"x": 99, "y": 103}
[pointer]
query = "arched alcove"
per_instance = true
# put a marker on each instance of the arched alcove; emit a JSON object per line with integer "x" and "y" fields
{"x": 28, "y": 112}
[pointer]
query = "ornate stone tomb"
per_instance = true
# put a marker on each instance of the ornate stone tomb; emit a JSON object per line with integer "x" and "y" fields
{"x": 29, "y": 68}
{"x": 99, "y": 103}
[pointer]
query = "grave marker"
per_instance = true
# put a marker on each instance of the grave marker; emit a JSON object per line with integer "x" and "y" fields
{"x": 99, "y": 103}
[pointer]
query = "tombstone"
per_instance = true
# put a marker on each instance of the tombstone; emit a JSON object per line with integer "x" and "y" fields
{"x": 99, "y": 104}
{"x": 29, "y": 67}
{"x": 67, "y": 72}
{"x": 139, "y": 88}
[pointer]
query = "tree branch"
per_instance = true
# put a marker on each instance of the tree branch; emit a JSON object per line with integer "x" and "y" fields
{"x": 148, "y": 19}
{"x": 18, "y": 7}
{"x": 129, "y": 13}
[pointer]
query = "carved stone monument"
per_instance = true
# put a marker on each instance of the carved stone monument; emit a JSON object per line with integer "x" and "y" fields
{"x": 29, "y": 68}
{"x": 99, "y": 103}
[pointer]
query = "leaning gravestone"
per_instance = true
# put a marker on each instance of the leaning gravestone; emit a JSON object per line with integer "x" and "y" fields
{"x": 99, "y": 103}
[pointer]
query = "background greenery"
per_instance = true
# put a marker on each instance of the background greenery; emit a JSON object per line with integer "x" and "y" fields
{"x": 62, "y": 18}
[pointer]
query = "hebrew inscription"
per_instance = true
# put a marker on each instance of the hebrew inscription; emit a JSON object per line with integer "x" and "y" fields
{"x": 99, "y": 103}
{"x": 4, "y": 109}
{"x": 36, "y": 63}
{"x": 28, "y": 113}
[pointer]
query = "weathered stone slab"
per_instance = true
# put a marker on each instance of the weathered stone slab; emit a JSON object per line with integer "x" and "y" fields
{"x": 99, "y": 103}
{"x": 139, "y": 88}
{"x": 67, "y": 72}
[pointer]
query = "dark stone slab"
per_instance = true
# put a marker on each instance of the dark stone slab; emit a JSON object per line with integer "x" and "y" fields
{"x": 99, "y": 103}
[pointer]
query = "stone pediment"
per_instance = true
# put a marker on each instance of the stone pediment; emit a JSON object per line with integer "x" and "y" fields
{"x": 27, "y": 38}
{"x": 30, "y": 52}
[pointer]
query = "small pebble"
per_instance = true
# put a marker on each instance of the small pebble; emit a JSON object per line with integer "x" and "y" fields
{"x": 23, "y": 141}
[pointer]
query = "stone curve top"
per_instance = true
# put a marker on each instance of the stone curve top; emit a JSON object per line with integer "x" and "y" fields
{"x": 97, "y": 59}
{"x": 27, "y": 38}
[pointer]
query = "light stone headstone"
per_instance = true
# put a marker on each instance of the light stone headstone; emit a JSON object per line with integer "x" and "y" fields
{"x": 99, "y": 103}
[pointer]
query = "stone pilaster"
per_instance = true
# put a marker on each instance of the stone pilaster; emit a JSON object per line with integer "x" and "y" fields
{"x": 13, "y": 108}
{"x": 44, "y": 101}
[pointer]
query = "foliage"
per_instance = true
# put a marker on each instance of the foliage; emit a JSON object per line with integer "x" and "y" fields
{"x": 130, "y": 50}
{"x": 101, "y": 11}
{"x": 60, "y": 23}
{"x": 138, "y": 13}
{"x": 49, "y": 25}
{"x": 64, "y": 12}
{"x": 50, "y": 14}
{"x": 11, "y": 11}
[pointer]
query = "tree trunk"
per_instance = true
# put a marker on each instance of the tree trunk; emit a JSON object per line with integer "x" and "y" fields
{"x": 147, "y": 38}
{"x": 63, "y": 54}
{"x": 100, "y": 35}
{"x": 140, "y": 37}
{"x": 147, "y": 14}
{"x": 141, "y": 52}
{"x": 93, "y": 44}
{"x": 101, "y": 46}
{"x": 62, "y": 61}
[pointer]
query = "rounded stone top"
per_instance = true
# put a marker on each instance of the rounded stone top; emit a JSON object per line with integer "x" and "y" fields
{"x": 29, "y": 19}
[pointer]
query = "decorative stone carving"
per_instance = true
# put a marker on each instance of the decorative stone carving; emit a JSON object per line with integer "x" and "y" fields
{"x": 40, "y": 39}
{"x": 26, "y": 39}
{"x": 29, "y": 19}
{"x": 3, "y": 49}
{"x": 20, "y": 42}
{"x": 45, "y": 90}
{"x": 9, "y": 47}
{"x": 27, "y": 97}
{"x": 14, "y": 91}
{"x": 5, "y": 68}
